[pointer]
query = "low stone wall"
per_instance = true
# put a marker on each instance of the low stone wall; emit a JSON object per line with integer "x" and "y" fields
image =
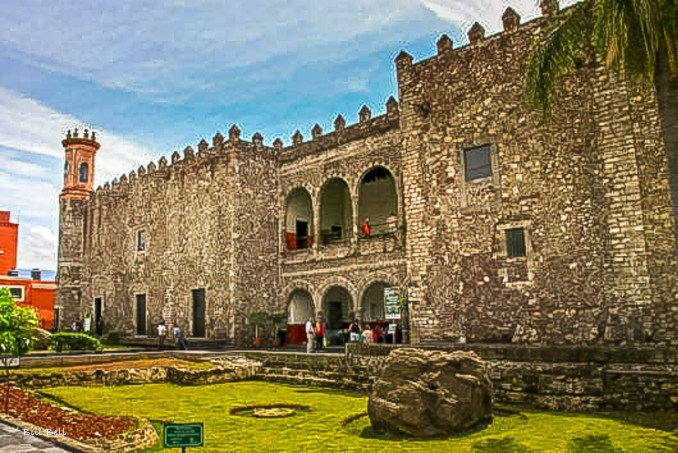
{"x": 224, "y": 370}
{"x": 555, "y": 378}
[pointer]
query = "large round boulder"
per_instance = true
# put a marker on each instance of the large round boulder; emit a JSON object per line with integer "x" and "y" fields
{"x": 430, "y": 393}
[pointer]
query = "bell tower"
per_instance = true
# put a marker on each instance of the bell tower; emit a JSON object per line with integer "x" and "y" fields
{"x": 74, "y": 202}
{"x": 79, "y": 165}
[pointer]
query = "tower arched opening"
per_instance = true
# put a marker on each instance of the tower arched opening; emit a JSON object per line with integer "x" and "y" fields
{"x": 336, "y": 213}
{"x": 298, "y": 220}
{"x": 378, "y": 201}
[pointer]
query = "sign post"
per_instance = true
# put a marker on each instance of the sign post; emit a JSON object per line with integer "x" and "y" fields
{"x": 392, "y": 308}
{"x": 183, "y": 435}
{"x": 391, "y": 303}
{"x": 7, "y": 362}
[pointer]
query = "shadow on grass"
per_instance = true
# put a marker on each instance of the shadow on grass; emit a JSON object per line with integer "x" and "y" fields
{"x": 370, "y": 433}
{"x": 330, "y": 391}
{"x": 503, "y": 445}
{"x": 593, "y": 443}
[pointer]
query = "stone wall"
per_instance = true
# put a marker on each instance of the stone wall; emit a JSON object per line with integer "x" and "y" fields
{"x": 598, "y": 232}
{"x": 554, "y": 378}
{"x": 186, "y": 210}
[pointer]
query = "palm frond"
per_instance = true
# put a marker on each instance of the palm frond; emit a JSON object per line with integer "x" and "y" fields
{"x": 556, "y": 53}
{"x": 627, "y": 34}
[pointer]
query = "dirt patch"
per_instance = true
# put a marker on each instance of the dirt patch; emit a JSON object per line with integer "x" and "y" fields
{"x": 60, "y": 421}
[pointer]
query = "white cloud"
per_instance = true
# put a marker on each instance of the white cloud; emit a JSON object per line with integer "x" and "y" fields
{"x": 464, "y": 13}
{"x": 32, "y": 127}
{"x": 164, "y": 49}
{"x": 41, "y": 247}
{"x": 31, "y": 171}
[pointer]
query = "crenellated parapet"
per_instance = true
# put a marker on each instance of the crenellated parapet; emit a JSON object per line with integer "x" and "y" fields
{"x": 366, "y": 127}
{"x": 222, "y": 150}
{"x": 476, "y": 36}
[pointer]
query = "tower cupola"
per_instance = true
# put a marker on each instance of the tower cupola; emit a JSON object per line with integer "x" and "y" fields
{"x": 80, "y": 150}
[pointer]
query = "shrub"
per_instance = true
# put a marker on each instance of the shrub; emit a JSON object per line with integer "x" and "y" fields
{"x": 111, "y": 338}
{"x": 73, "y": 341}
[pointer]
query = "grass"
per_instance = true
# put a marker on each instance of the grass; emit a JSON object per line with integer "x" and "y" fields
{"x": 321, "y": 429}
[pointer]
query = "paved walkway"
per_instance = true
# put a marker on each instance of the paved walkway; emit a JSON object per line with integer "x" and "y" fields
{"x": 13, "y": 440}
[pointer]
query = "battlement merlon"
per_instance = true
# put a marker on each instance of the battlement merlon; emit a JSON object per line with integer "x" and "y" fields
{"x": 404, "y": 62}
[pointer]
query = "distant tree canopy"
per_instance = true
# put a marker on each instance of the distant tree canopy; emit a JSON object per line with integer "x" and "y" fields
{"x": 631, "y": 36}
{"x": 16, "y": 325}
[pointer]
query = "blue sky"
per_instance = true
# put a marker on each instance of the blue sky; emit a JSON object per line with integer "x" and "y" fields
{"x": 154, "y": 76}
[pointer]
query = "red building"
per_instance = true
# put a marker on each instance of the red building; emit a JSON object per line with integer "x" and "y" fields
{"x": 29, "y": 291}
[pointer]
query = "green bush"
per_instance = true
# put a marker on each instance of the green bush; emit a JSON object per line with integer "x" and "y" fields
{"x": 73, "y": 341}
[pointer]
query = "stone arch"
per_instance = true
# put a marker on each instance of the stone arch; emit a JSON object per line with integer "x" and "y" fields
{"x": 303, "y": 285}
{"x": 300, "y": 306}
{"x": 299, "y": 219}
{"x": 337, "y": 280}
{"x": 378, "y": 200}
{"x": 371, "y": 293}
{"x": 337, "y": 304}
{"x": 335, "y": 211}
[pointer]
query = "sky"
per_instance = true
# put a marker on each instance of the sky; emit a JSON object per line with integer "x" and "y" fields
{"x": 154, "y": 76}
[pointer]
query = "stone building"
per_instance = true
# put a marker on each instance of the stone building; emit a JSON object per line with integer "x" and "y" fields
{"x": 497, "y": 225}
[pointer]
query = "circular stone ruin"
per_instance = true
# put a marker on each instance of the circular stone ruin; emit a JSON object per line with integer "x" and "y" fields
{"x": 269, "y": 410}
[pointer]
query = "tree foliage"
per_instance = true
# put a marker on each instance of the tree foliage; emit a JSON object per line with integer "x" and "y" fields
{"x": 16, "y": 325}
{"x": 628, "y": 35}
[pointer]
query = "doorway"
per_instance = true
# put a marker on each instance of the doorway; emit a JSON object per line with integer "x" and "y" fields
{"x": 198, "y": 313}
{"x": 302, "y": 234}
{"x": 97, "y": 315}
{"x": 334, "y": 315}
{"x": 141, "y": 314}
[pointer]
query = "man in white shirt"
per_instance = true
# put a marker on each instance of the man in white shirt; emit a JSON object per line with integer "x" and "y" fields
{"x": 162, "y": 334}
{"x": 310, "y": 335}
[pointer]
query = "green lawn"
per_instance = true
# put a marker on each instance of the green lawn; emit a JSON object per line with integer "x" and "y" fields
{"x": 320, "y": 429}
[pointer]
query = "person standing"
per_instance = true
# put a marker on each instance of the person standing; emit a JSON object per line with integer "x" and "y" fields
{"x": 88, "y": 322}
{"x": 310, "y": 335}
{"x": 355, "y": 330}
{"x": 162, "y": 334}
{"x": 319, "y": 333}
{"x": 179, "y": 337}
{"x": 100, "y": 325}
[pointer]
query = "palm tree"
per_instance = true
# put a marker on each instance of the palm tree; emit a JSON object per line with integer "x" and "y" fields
{"x": 632, "y": 37}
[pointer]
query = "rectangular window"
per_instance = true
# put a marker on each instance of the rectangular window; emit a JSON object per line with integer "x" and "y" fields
{"x": 515, "y": 243}
{"x": 16, "y": 291}
{"x": 478, "y": 163}
{"x": 141, "y": 240}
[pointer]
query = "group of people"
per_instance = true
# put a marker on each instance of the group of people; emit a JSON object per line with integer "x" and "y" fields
{"x": 179, "y": 339}
{"x": 316, "y": 334}
{"x": 85, "y": 325}
{"x": 366, "y": 335}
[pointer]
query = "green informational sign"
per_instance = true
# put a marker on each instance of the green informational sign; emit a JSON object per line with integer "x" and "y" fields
{"x": 391, "y": 303}
{"x": 177, "y": 435}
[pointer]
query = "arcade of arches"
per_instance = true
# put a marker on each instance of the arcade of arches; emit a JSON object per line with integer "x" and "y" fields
{"x": 337, "y": 307}
{"x": 377, "y": 205}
